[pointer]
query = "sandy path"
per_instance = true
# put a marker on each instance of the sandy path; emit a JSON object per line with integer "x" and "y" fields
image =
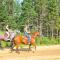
{"x": 42, "y": 53}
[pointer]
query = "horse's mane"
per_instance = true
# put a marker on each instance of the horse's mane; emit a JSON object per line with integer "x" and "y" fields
{"x": 35, "y": 33}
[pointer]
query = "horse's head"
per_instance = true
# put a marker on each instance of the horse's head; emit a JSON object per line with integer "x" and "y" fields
{"x": 36, "y": 34}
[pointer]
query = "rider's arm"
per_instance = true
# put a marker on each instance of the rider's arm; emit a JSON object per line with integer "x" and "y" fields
{"x": 7, "y": 28}
{"x": 26, "y": 29}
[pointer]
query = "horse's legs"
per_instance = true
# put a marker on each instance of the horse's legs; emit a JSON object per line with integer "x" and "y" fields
{"x": 29, "y": 46}
{"x": 34, "y": 46}
{"x": 12, "y": 45}
{"x": 17, "y": 50}
{"x": 0, "y": 45}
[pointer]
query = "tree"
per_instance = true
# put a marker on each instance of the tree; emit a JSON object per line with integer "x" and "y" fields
{"x": 3, "y": 14}
{"x": 28, "y": 11}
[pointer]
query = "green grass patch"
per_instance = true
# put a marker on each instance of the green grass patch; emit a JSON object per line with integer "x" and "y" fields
{"x": 47, "y": 41}
{"x": 3, "y": 44}
{"x": 1, "y": 32}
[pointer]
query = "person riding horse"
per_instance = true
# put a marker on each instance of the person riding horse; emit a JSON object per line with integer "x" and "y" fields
{"x": 7, "y": 34}
{"x": 27, "y": 33}
{"x": 10, "y": 35}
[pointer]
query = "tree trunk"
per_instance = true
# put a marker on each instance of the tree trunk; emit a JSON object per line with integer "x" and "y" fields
{"x": 57, "y": 33}
{"x": 40, "y": 29}
{"x": 52, "y": 33}
{"x": 47, "y": 32}
{"x": 10, "y": 7}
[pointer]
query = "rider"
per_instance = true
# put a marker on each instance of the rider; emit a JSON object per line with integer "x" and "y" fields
{"x": 11, "y": 33}
{"x": 27, "y": 33}
{"x": 7, "y": 34}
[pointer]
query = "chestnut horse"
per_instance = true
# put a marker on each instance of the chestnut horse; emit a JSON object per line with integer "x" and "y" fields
{"x": 24, "y": 40}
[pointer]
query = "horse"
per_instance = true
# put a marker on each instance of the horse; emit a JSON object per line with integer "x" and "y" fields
{"x": 24, "y": 40}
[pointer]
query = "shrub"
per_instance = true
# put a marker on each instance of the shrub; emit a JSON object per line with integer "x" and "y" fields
{"x": 37, "y": 40}
{"x": 3, "y": 44}
{"x": 45, "y": 41}
{"x": 8, "y": 44}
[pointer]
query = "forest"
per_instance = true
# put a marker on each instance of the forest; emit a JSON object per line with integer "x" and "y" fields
{"x": 40, "y": 15}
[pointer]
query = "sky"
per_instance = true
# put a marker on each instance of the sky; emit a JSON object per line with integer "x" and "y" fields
{"x": 20, "y": 1}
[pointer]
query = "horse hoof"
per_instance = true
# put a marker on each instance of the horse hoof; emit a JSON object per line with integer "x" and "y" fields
{"x": 17, "y": 52}
{"x": 33, "y": 51}
{"x": 11, "y": 51}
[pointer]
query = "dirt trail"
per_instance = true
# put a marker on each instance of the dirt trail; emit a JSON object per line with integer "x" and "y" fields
{"x": 42, "y": 53}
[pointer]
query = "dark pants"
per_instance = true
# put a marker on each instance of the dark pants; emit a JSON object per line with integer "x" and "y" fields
{"x": 12, "y": 43}
{"x": 28, "y": 36}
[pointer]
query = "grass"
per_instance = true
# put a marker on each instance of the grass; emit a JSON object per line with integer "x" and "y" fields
{"x": 1, "y": 32}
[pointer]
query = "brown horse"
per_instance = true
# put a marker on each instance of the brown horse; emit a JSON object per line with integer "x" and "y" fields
{"x": 23, "y": 39}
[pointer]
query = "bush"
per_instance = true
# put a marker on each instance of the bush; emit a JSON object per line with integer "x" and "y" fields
{"x": 58, "y": 40}
{"x": 38, "y": 40}
{"x": 50, "y": 41}
{"x": 8, "y": 44}
{"x": 45, "y": 41}
{"x": 1, "y": 32}
{"x": 3, "y": 44}
{"x": 53, "y": 41}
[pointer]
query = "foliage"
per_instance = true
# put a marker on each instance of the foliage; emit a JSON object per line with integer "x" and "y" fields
{"x": 38, "y": 39}
{"x": 47, "y": 41}
{"x": 5, "y": 44}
